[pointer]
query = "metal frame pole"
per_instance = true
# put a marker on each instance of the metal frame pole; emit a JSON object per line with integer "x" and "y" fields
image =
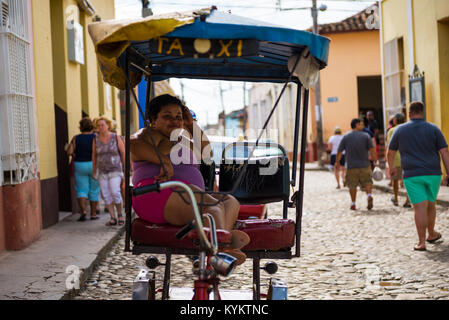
{"x": 148, "y": 96}
{"x": 127, "y": 156}
{"x": 300, "y": 196}
{"x": 296, "y": 135}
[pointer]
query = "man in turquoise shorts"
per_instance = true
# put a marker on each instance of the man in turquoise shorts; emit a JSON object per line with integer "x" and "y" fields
{"x": 420, "y": 143}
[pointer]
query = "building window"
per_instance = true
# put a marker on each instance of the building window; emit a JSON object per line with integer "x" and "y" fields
{"x": 17, "y": 123}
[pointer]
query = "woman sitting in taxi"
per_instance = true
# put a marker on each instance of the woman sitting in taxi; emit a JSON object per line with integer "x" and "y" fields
{"x": 167, "y": 116}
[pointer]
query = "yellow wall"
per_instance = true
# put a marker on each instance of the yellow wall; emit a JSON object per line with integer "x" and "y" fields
{"x": 71, "y": 86}
{"x": 443, "y": 40}
{"x": 351, "y": 55}
{"x": 43, "y": 67}
{"x": 430, "y": 49}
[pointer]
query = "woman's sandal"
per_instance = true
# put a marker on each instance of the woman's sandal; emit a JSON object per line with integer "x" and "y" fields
{"x": 94, "y": 218}
{"x": 82, "y": 217}
{"x": 419, "y": 248}
{"x": 111, "y": 222}
{"x": 121, "y": 221}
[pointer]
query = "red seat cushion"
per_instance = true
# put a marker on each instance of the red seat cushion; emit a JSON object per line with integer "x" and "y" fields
{"x": 268, "y": 234}
{"x": 265, "y": 234}
{"x": 164, "y": 235}
{"x": 256, "y": 210}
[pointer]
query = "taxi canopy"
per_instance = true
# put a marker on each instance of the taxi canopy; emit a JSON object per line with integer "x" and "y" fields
{"x": 205, "y": 44}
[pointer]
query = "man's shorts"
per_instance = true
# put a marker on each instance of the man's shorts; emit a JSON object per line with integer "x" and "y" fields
{"x": 398, "y": 175}
{"x": 358, "y": 176}
{"x": 334, "y": 157}
{"x": 422, "y": 188}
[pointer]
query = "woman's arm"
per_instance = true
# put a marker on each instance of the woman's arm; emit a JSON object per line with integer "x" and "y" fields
{"x": 198, "y": 136}
{"x": 142, "y": 149}
{"x": 71, "y": 148}
{"x": 94, "y": 159}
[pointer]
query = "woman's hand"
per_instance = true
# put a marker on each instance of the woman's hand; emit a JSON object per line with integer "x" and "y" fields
{"x": 187, "y": 120}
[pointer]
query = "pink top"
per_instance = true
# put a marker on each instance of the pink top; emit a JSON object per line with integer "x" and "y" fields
{"x": 185, "y": 167}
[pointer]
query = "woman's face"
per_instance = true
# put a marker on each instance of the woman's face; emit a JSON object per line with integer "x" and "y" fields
{"x": 102, "y": 126}
{"x": 168, "y": 119}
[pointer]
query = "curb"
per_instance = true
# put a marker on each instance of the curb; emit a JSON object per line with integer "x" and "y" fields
{"x": 87, "y": 272}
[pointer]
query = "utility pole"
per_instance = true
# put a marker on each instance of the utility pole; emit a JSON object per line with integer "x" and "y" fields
{"x": 318, "y": 112}
{"x": 223, "y": 107}
{"x": 182, "y": 90}
{"x": 245, "y": 111}
{"x": 146, "y": 10}
{"x": 278, "y": 5}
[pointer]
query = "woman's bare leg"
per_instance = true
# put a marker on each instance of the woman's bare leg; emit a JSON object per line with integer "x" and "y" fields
{"x": 232, "y": 207}
{"x": 93, "y": 208}
{"x": 82, "y": 202}
{"x": 178, "y": 212}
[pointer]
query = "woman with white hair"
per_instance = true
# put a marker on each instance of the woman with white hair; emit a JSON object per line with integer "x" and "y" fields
{"x": 108, "y": 157}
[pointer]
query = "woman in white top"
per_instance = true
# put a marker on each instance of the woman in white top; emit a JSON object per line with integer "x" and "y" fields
{"x": 332, "y": 146}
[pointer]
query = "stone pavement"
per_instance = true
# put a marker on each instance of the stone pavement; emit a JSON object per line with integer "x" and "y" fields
{"x": 65, "y": 251}
{"x": 344, "y": 254}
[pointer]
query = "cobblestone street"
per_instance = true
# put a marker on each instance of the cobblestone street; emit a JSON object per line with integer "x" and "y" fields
{"x": 344, "y": 254}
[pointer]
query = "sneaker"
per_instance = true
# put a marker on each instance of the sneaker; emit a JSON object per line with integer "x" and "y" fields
{"x": 352, "y": 207}
{"x": 370, "y": 203}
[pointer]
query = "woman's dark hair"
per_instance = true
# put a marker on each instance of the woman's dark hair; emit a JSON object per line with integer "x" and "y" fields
{"x": 354, "y": 122}
{"x": 86, "y": 124}
{"x": 400, "y": 118}
{"x": 156, "y": 104}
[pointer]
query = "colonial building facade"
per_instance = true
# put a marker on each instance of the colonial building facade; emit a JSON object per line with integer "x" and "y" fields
{"x": 49, "y": 80}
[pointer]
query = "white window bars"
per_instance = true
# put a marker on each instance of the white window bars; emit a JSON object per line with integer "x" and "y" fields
{"x": 17, "y": 122}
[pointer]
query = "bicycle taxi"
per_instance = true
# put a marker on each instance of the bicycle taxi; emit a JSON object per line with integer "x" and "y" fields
{"x": 209, "y": 44}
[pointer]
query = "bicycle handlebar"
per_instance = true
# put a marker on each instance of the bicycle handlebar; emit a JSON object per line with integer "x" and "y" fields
{"x": 146, "y": 189}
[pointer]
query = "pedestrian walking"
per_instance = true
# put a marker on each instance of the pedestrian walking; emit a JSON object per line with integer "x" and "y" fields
{"x": 108, "y": 159}
{"x": 332, "y": 144}
{"x": 372, "y": 125}
{"x": 398, "y": 119}
{"x": 357, "y": 144}
{"x": 87, "y": 188}
{"x": 421, "y": 144}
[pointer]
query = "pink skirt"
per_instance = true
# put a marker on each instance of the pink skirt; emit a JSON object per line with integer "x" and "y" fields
{"x": 150, "y": 206}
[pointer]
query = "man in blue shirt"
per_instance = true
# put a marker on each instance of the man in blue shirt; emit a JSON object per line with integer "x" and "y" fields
{"x": 420, "y": 144}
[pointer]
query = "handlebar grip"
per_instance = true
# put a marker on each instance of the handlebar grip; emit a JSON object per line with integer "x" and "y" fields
{"x": 185, "y": 230}
{"x": 146, "y": 189}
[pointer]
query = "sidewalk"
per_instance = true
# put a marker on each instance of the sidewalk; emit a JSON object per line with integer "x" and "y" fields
{"x": 443, "y": 194}
{"x": 40, "y": 271}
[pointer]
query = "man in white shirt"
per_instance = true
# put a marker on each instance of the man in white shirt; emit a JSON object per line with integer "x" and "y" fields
{"x": 332, "y": 146}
